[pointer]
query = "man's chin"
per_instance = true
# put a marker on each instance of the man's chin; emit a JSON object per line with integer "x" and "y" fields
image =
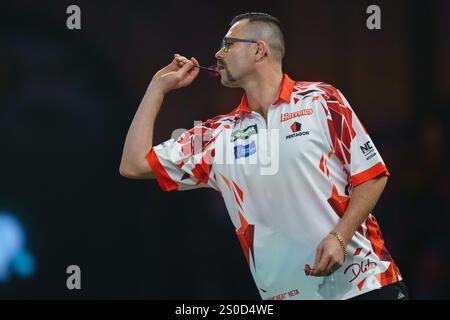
{"x": 227, "y": 83}
{"x": 230, "y": 85}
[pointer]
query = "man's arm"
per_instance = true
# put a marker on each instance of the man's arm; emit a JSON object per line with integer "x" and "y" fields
{"x": 330, "y": 255}
{"x": 179, "y": 73}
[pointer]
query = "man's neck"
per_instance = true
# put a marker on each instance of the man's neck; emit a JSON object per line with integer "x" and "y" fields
{"x": 263, "y": 91}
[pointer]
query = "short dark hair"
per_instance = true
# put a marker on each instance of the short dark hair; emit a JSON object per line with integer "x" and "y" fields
{"x": 271, "y": 21}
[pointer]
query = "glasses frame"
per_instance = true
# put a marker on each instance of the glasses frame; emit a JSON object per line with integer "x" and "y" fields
{"x": 228, "y": 41}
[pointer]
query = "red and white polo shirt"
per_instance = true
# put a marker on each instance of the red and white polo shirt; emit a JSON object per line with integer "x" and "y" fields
{"x": 286, "y": 183}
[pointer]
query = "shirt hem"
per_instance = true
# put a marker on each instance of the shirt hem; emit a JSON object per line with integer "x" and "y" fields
{"x": 369, "y": 174}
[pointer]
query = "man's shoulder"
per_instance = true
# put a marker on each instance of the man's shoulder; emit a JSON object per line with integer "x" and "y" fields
{"x": 208, "y": 129}
{"x": 329, "y": 91}
{"x": 220, "y": 121}
{"x": 311, "y": 85}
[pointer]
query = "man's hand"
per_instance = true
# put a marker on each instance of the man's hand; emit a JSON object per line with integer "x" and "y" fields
{"x": 329, "y": 254}
{"x": 329, "y": 257}
{"x": 179, "y": 73}
{"x": 139, "y": 141}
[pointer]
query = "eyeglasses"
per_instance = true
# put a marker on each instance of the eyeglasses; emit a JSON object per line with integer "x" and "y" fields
{"x": 227, "y": 42}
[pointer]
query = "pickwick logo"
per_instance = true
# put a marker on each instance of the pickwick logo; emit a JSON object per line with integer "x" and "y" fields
{"x": 244, "y": 134}
{"x": 358, "y": 268}
{"x": 303, "y": 112}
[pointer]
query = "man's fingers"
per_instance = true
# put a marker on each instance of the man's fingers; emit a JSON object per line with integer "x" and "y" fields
{"x": 331, "y": 268}
{"x": 321, "y": 263}
{"x": 318, "y": 256}
{"x": 176, "y": 57}
{"x": 194, "y": 71}
{"x": 195, "y": 61}
{"x": 322, "y": 266}
{"x": 182, "y": 59}
{"x": 179, "y": 60}
{"x": 188, "y": 65}
{"x": 318, "y": 261}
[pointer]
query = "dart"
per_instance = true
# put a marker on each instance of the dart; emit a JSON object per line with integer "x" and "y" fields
{"x": 212, "y": 70}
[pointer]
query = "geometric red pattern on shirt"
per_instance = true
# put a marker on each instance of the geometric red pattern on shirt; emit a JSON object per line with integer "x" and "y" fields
{"x": 375, "y": 237}
{"x": 340, "y": 124}
{"x": 246, "y": 235}
{"x": 338, "y": 203}
{"x": 246, "y": 231}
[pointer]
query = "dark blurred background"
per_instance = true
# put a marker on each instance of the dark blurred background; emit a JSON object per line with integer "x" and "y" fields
{"x": 67, "y": 98}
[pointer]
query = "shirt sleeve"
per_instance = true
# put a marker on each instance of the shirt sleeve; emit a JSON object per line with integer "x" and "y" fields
{"x": 349, "y": 139}
{"x": 186, "y": 163}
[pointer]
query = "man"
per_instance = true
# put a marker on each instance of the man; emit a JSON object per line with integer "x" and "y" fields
{"x": 296, "y": 168}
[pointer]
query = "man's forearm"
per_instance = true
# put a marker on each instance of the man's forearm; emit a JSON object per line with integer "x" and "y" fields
{"x": 363, "y": 200}
{"x": 139, "y": 139}
{"x": 178, "y": 74}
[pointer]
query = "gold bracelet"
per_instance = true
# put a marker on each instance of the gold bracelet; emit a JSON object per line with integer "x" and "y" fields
{"x": 341, "y": 242}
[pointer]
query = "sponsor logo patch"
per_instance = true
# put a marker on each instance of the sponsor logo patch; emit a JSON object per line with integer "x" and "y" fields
{"x": 243, "y": 151}
{"x": 368, "y": 150}
{"x": 299, "y": 113}
{"x": 244, "y": 133}
{"x": 296, "y": 129}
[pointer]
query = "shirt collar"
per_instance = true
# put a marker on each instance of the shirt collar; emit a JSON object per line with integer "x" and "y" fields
{"x": 285, "y": 94}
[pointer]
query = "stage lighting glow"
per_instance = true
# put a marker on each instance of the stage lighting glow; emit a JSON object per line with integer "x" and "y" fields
{"x": 24, "y": 264}
{"x": 13, "y": 256}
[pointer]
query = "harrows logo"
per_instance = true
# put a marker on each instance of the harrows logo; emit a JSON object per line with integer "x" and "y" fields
{"x": 295, "y": 114}
{"x": 296, "y": 127}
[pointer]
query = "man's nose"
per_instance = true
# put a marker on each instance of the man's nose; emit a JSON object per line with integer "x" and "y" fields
{"x": 219, "y": 54}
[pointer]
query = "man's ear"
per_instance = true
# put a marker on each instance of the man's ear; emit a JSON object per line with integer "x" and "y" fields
{"x": 262, "y": 49}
